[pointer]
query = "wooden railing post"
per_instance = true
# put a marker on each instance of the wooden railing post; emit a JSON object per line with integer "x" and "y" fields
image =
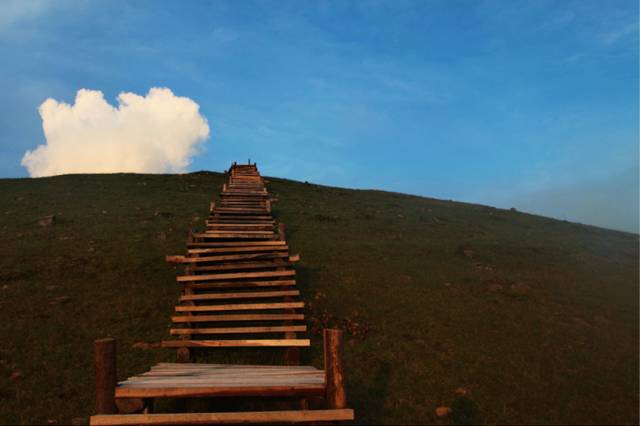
{"x": 282, "y": 235}
{"x": 105, "y": 359}
{"x": 335, "y": 393}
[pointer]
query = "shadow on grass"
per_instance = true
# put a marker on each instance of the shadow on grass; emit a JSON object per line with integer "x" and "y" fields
{"x": 373, "y": 394}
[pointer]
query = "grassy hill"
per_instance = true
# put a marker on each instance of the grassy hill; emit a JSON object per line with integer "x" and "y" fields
{"x": 535, "y": 319}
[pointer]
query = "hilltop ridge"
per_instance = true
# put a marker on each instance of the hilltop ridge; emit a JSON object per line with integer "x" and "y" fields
{"x": 535, "y": 320}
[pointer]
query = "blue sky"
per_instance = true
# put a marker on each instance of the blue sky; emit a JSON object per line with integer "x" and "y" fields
{"x": 531, "y": 104}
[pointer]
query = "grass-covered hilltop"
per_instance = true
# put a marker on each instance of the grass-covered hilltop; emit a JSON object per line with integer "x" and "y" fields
{"x": 505, "y": 317}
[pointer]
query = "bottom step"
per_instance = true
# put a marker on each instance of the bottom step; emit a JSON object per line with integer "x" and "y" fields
{"x": 223, "y": 418}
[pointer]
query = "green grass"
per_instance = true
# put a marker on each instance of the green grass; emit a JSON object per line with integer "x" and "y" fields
{"x": 423, "y": 288}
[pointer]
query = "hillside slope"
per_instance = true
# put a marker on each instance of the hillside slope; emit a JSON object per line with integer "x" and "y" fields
{"x": 535, "y": 319}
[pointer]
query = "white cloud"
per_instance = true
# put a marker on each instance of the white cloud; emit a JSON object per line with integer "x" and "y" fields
{"x": 156, "y": 133}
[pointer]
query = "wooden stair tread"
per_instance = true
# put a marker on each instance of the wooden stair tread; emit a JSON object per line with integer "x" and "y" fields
{"x": 239, "y": 295}
{"x": 248, "y": 248}
{"x": 241, "y": 307}
{"x": 223, "y": 418}
{"x": 216, "y": 277}
{"x": 242, "y": 266}
{"x": 194, "y": 285}
{"x": 227, "y": 258}
{"x": 236, "y": 317}
{"x": 236, "y": 343}
{"x": 238, "y": 330}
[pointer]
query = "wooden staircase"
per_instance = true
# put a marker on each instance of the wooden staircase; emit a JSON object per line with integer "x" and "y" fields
{"x": 238, "y": 290}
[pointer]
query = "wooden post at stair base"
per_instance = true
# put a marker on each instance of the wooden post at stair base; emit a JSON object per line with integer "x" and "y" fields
{"x": 106, "y": 380}
{"x": 267, "y": 204}
{"x": 282, "y": 236}
{"x": 335, "y": 393}
{"x": 212, "y": 206}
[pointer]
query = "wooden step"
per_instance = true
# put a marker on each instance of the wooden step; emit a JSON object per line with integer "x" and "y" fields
{"x": 237, "y": 317}
{"x": 238, "y": 330}
{"x": 241, "y": 307}
{"x": 239, "y": 295}
{"x": 212, "y": 224}
{"x": 245, "y": 343}
{"x": 240, "y": 249}
{"x": 214, "y": 232}
{"x": 242, "y": 266}
{"x": 233, "y": 217}
{"x": 253, "y": 417}
{"x": 228, "y": 258}
{"x": 239, "y": 235}
{"x": 216, "y": 277}
{"x": 239, "y": 243}
{"x": 239, "y": 284}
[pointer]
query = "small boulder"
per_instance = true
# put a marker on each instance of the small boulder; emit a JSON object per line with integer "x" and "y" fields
{"x": 443, "y": 411}
{"x": 461, "y": 391}
{"x": 47, "y": 221}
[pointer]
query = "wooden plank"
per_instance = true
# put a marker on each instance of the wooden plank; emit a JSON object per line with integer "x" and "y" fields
{"x": 215, "y": 391}
{"x": 217, "y": 277}
{"x": 238, "y": 225}
{"x": 237, "y": 330}
{"x": 243, "y": 266}
{"x": 240, "y": 210}
{"x": 241, "y": 307}
{"x": 223, "y": 418}
{"x": 208, "y": 235}
{"x": 240, "y": 295}
{"x": 235, "y": 202}
{"x": 214, "y": 232}
{"x": 247, "y": 248}
{"x": 235, "y": 343}
{"x": 239, "y": 221}
{"x": 231, "y": 257}
{"x": 254, "y": 194}
{"x": 240, "y": 284}
{"x": 244, "y": 218}
{"x": 240, "y": 243}
{"x": 165, "y": 365}
{"x": 237, "y": 317}
{"x": 261, "y": 198}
